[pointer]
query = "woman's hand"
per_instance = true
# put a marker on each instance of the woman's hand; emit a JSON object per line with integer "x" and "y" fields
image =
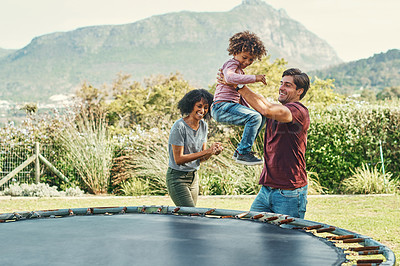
{"x": 216, "y": 148}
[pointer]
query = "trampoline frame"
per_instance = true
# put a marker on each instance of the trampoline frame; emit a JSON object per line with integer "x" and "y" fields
{"x": 336, "y": 235}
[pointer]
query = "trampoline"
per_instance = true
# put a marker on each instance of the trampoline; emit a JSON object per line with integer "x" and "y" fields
{"x": 165, "y": 235}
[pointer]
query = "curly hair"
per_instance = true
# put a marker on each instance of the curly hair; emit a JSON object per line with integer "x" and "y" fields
{"x": 186, "y": 104}
{"x": 246, "y": 41}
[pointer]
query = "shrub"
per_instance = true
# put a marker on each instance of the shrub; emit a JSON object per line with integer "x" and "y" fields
{"x": 314, "y": 186}
{"x": 89, "y": 148}
{"x": 342, "y": 137}
{"x": 370, "y": 181}
{"x": 39, "y": 190}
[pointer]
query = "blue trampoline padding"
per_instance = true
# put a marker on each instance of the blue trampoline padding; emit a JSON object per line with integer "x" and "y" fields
{"x": 148, "y": 239}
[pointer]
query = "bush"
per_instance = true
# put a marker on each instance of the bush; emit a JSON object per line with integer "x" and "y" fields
{"x": 342, "y": 137}
{"x": 89, "y": 148}
{"x": 370, "y": 181}
{"x": 39, "y": 190}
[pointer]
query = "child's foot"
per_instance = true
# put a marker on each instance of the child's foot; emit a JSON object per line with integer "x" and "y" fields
{"x": 248, "y": 159}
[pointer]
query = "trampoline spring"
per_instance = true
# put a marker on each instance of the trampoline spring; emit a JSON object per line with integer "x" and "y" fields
{"x": 361, "y": 262}
{"x": 195, "y": 214}
{"x": 159, "y": 210}
{"x": 354, "y": 240}
{"x": 241, "y": 215}
{"x": 317, "y": 226}
{"x": 209, "y": 211}
{"x": 327, "y": 229}
{"x": 176, "y": 210}
{"x": 258, "y": 216}
{"x": 272, "y": 218}
{"x": 286, "y": 221}
{"x": 123, "y": 211}
{"x": 89, "y": 211}
{"x": 340, "y": 237}
{"x": 144, "y": 209}
{"x": 226, "y": 216}
{"x": 70, "y": 212}
{"x": 364, "y": 248}
{"x": 371, "y": 252}
{"x": 17, "y": 216}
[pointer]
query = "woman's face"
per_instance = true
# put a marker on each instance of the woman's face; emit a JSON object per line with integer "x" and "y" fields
{"x": 200, "y": 109}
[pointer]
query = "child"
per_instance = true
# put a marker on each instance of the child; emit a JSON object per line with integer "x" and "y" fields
{"x": 228, "y": 106}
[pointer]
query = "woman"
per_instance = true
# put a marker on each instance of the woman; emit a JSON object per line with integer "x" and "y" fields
{"x": 187, "y": 147}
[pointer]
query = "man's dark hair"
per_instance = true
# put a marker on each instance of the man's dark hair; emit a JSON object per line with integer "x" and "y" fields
{"x": 301, "y": 79}
{"x": 186, "y": 104}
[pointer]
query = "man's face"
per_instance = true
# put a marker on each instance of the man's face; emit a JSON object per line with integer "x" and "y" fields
{"x": 288, "y": 92}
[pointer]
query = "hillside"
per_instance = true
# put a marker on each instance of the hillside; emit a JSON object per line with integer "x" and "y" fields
{"x": 375, "y": 73}
{"x": 189, "y": 42}
{"x": 4, "y": 52}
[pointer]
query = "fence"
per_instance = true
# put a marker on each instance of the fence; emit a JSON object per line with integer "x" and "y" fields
{"x": 32, "y": 164}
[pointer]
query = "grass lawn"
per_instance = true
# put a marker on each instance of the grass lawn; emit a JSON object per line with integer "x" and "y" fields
{"x": 374, "y": 216}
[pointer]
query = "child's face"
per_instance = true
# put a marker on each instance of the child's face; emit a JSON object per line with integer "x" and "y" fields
{"x": 245, "y": 59}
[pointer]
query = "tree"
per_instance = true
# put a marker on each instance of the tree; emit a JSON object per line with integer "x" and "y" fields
{"x": 30, "y": 108}
{"x": 389, "y": 93}
{"x": 148, "y": 106}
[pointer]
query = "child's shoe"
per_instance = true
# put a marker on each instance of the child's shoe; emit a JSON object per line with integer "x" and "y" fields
{"x": 248, "y": 159}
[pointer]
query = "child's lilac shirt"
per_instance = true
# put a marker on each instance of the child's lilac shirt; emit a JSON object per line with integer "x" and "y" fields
{"x": 235, "y": 75}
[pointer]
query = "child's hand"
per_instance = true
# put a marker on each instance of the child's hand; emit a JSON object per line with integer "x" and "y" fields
{"x": 261, "y": 78}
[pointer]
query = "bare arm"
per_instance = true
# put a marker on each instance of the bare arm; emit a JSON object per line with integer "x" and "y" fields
{"x": 271, "y": 110}
{"x": 203, "y": 155}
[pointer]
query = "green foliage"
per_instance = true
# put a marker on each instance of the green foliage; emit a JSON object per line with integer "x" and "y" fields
{"x": 389, "y": 93}
{"x": 154, "y": 104}
{"x": 136, "y": 187}
{"x": 342, "y": 137}
{"x": 30, "y": 108}
{"x": 374, "y": 73}
{"x": 314, "y": 185}
{"x": 273, "y": 75}
{"x": 89, "y": 147}
{"x": 370, "y": 181}
{"x": 320, "y": 91}
{"x": 39, "y": 190}
{"x": 220, "y": 175}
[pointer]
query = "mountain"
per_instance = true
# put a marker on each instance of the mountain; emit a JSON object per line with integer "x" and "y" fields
{"x": 193, "y": 43}
{"x": 4, "y": 52}
{"x": 375, "y": 73}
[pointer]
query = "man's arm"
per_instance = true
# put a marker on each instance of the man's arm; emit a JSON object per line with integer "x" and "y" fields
{"x": 274, "y": 111}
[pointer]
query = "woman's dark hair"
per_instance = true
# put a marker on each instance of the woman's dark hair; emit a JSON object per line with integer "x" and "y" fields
{"x": 186, "y": 104}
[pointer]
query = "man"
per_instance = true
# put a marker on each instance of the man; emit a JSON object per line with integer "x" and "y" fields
{"x": 284, "y": 177}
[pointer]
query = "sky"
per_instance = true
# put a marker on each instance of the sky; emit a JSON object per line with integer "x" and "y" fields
{"x": 356, "y": 29}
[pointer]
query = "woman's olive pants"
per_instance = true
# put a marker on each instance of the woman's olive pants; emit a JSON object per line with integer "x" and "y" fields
{"x": 183, "y": 187}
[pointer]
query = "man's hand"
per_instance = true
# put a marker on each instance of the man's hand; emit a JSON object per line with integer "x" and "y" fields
{"x": 221, "y": 79}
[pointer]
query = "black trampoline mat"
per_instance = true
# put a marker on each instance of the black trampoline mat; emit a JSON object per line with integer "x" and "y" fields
{"x": 155, "y": 239}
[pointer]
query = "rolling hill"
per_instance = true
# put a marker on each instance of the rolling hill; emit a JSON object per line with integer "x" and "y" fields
{"x": 193, "y": 43}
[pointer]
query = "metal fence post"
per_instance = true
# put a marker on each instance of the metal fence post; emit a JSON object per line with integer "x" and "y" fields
{"x": 37, "y": 163}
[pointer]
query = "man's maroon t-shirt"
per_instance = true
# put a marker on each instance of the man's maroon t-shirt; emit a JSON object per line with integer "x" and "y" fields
{"x": 284, "y": 150}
